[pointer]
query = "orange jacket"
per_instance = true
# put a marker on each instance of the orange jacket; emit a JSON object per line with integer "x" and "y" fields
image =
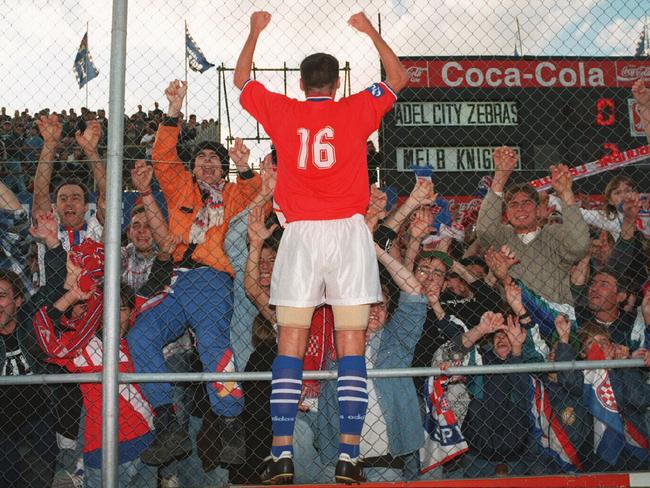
{"x": 184, "y": 201}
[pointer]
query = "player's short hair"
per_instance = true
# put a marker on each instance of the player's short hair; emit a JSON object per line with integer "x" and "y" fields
{"x": 318, "y": 71}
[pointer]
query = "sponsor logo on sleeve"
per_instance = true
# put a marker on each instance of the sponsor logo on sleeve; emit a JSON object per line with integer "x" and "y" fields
{"x": 376, "y": 90}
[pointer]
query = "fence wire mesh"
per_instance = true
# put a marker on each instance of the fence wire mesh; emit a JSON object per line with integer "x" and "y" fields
{"x": 508, "y": 203}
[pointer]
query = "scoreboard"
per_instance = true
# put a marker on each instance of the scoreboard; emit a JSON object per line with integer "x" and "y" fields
{"x": 456, "y": 110}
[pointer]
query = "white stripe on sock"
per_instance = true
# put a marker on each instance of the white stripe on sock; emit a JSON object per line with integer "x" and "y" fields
{"x": 352, "y": 378}
{"x": 286, "y": 380}
{"x": 352, "y": 388}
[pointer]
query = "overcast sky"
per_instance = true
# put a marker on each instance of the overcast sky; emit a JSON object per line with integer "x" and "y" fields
{"x": 39, "y": 40}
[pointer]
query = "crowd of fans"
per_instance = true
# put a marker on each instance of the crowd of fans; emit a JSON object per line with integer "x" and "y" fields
{"x": 21, "y": 142}
{"x": 530, "y": 278}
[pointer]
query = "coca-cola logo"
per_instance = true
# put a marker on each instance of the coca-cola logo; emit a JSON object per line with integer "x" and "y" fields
{"x": 415, "y": 73}
{"x": 632, "y": 73}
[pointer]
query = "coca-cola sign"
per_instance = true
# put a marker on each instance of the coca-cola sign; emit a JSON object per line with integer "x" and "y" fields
{"x": 636, "y": 121}
{"x": 417, "y": 73}
{"x": 632, "y": 72}
{"x": 525, "y": 73}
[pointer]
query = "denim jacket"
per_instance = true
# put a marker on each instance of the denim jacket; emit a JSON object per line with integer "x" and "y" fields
{"x": 244, "y": 312}
{"x": 397, "y": 398}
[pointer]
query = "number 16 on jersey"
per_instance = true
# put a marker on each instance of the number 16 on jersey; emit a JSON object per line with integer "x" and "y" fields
{"x": 323, "y": 153}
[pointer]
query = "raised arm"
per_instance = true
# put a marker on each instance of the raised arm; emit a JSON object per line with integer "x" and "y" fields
{"x": 259, "y": 21}
{"x": 257, "y": 234}
{"x": 269, "y": 178}
{"x": 396, "y": 75}
{"x": 175, "y": 93}
{"x": 50, "y": 129}
{"x": 490, "y": 322}
{"x": 628, "y": 254}
{"x": 505, "y": 161}
{"x": 88, "y": 141}
{"x": 642, "y": 96}
{"x": 402, "y": 277}
{"x": 573, "y": 233}
{"x": 376, "y": 208}
{"x": 514, "y": 299}
{"x": 162, "y": 269}
{"x": 8, "y": 201}
{"x": 236, "y": 243}
{"x": 580, "y": 272}
{"x": 418, "y": 228}
{"x": 170, "y": 171}
{"x": 489, "y": 228}
{"x": 60, "y": 342}
{"x": 422, "y": 194}
{"x": 141, "y": 178}
{"x": 631, "y": 208}
{"x": 249, "y": 182}
{"x": 571, "y": 380}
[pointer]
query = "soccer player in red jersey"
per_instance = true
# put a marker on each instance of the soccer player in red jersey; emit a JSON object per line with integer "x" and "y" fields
{"x": 326, "y": 254}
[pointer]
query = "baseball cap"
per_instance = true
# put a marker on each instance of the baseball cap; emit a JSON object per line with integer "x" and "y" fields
{"x": 442, "y": 256}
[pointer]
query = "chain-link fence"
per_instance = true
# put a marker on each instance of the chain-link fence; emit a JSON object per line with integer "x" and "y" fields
{"x": 445, "y": 349}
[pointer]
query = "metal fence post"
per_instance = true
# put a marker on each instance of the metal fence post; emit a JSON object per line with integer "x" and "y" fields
{"x": 110, "y": 408}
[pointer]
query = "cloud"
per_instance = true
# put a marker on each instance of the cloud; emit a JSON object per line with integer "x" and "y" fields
{"x": 621, "y": 36}
{"x": 40, "y": 40}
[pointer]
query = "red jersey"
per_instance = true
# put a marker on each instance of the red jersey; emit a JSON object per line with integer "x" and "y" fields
{"x": 321, "y": 147}
{"x": 79, "y": 350}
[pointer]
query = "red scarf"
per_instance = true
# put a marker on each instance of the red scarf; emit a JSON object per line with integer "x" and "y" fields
{"x": 320, "y": 347}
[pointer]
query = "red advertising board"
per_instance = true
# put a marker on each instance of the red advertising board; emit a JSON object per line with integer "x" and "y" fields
{"x": 525, "y": 73}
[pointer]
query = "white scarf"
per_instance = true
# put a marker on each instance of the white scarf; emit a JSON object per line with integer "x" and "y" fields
{"x": 211, "y": 213}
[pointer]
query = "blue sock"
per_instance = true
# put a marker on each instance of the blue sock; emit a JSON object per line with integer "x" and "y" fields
{"x": 285, "y": 395}
{"x": 352, "y": 393}
{"x": 351, "y": 450}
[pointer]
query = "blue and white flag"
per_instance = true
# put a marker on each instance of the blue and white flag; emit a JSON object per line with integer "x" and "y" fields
{"x": 609, "y": 435}
{"x": 84, "y": 68}
{"x": 195, "y": 57}
{"x": 443, "y": 440}
{"x": 612, "y": 432}
{"x": 548, "y": 432}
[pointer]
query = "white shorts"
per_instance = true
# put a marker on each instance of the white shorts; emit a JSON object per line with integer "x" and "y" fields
{"x": 326, "y": 261}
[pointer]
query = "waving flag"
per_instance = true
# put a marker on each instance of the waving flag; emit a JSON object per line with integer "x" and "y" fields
{"x": 609, "y": 437}
{"x": 612, "y": 433}
{"x": 443, "y": 439}
{"x": 84, "y": 68}
{"x": 195, "y": 57}
{"x": 548, "y": 431}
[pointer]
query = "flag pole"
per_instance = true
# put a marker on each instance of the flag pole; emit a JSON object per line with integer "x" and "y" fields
{"x": 87, "y": 57}
{"x": 647, "y": 40}
{"x": 521, "y": 46}
{"x": 185, "y": 51}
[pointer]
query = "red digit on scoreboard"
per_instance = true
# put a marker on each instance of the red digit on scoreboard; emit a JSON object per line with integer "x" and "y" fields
{"x": 612, "y": 149}
{"x": 605, "y": 112}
